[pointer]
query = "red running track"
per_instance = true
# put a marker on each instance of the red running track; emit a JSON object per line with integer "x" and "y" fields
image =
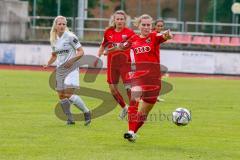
{"x": 49, "y": 69}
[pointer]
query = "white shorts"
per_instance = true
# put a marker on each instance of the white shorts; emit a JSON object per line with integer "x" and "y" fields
{"x": 70, "y": 81}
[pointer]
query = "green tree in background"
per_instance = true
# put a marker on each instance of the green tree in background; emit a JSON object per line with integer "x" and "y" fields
{"x": 223, "y": 15}
{"x": 49, "y": 7}
{"x": 224, "y": 12}
{"x": 68, "y": 7}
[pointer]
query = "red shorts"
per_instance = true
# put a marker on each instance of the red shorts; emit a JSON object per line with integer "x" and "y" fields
{"x": 146, "y": 82}
{"x": 117, "y": 66}
{"x": 151, "y": 96}
{"x": 147, "y": 92}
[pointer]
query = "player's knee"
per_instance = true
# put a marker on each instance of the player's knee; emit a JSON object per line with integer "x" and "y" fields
{"x": 61, "y": 96}
{"x": 67, "y": 95}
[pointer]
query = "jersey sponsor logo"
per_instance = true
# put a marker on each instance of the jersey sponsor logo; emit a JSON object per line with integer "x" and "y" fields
{"x": 62, "y": 52}
{"x": 142, "y": 49}
{"x": 75, "y": 40}
{"x": 148, "y": 40}
{"x": 65, "y": 44}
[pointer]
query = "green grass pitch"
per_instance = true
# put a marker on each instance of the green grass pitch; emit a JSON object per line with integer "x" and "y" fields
{"x": 29, "y": 129}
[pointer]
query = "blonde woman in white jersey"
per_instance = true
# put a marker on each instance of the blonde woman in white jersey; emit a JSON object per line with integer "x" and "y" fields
{"x": 67, "y": 50}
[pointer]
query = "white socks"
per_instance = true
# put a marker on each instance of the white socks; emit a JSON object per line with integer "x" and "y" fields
{"x": 78, "y": 102}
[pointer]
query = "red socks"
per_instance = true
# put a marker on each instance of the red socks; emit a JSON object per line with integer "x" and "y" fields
{"x": 132, "y": 117}
{"x": 141, "y": 118}
{"x": 135, "y": 119}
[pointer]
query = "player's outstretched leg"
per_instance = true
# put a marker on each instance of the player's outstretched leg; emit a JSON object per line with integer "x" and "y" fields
{"x": 141, "y": 118}
{"x": 143, "y": 113}
{"x": 118, "y": 97}
{"x": 132, "y": 122}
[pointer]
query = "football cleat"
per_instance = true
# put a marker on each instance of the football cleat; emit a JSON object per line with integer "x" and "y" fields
{"x": 130, "y": 136}
{"x": 87, "y": 117}
{"x": 70, "y": 122}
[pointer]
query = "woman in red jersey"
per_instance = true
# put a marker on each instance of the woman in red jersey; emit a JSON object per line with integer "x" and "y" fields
{"x": 116, "y": 33}
{"x": 159, "y": 28}
{"x": 146, "y": 79}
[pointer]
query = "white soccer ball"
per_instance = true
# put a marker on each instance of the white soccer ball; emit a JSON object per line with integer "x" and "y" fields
{"x": 181, "y": 116}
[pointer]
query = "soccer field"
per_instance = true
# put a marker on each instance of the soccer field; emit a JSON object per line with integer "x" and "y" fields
{"x": 29, "y": 129}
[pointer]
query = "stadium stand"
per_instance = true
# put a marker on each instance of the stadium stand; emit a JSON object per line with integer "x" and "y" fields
{"x": 235, "y": 42}
{"x": 225, "y": 41}
{"x": 197, "y": 40}
{"x": 203, "y": 42}
{"x": 206, "y": 40}
{"x": 216, "y": 41}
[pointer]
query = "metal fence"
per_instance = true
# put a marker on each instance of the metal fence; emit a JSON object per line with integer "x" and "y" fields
{"x": 228, "y": 29}
{"x": 91, "y": 29}
{"x": 39, "y": 27}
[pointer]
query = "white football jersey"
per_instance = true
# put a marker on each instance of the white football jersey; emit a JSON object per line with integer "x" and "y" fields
{"x": 65, "y": 47}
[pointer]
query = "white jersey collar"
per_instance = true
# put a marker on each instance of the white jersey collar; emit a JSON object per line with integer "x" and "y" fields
{"x": 61, "y": 36}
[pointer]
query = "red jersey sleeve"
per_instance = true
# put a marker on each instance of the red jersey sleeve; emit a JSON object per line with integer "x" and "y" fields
{"x": 105, "y": 40}
{"x": 159, "y": 38}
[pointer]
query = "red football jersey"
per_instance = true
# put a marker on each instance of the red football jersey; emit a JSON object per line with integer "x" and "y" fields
{"x": 146, "y": 49}
{"x": 117, "y": 60}
{"x": 112, "y": 36}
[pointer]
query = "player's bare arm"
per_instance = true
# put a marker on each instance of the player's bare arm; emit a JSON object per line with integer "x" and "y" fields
{"x": 51, "y": 60}
{"x": 100, "y": 51}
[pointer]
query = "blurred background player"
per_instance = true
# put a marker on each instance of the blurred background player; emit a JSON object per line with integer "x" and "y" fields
{"x": 145, "y": 56}
{"x": 116, "y": 33}
{"x": 67, "y": 50}
{"x": 159, "y": 28}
